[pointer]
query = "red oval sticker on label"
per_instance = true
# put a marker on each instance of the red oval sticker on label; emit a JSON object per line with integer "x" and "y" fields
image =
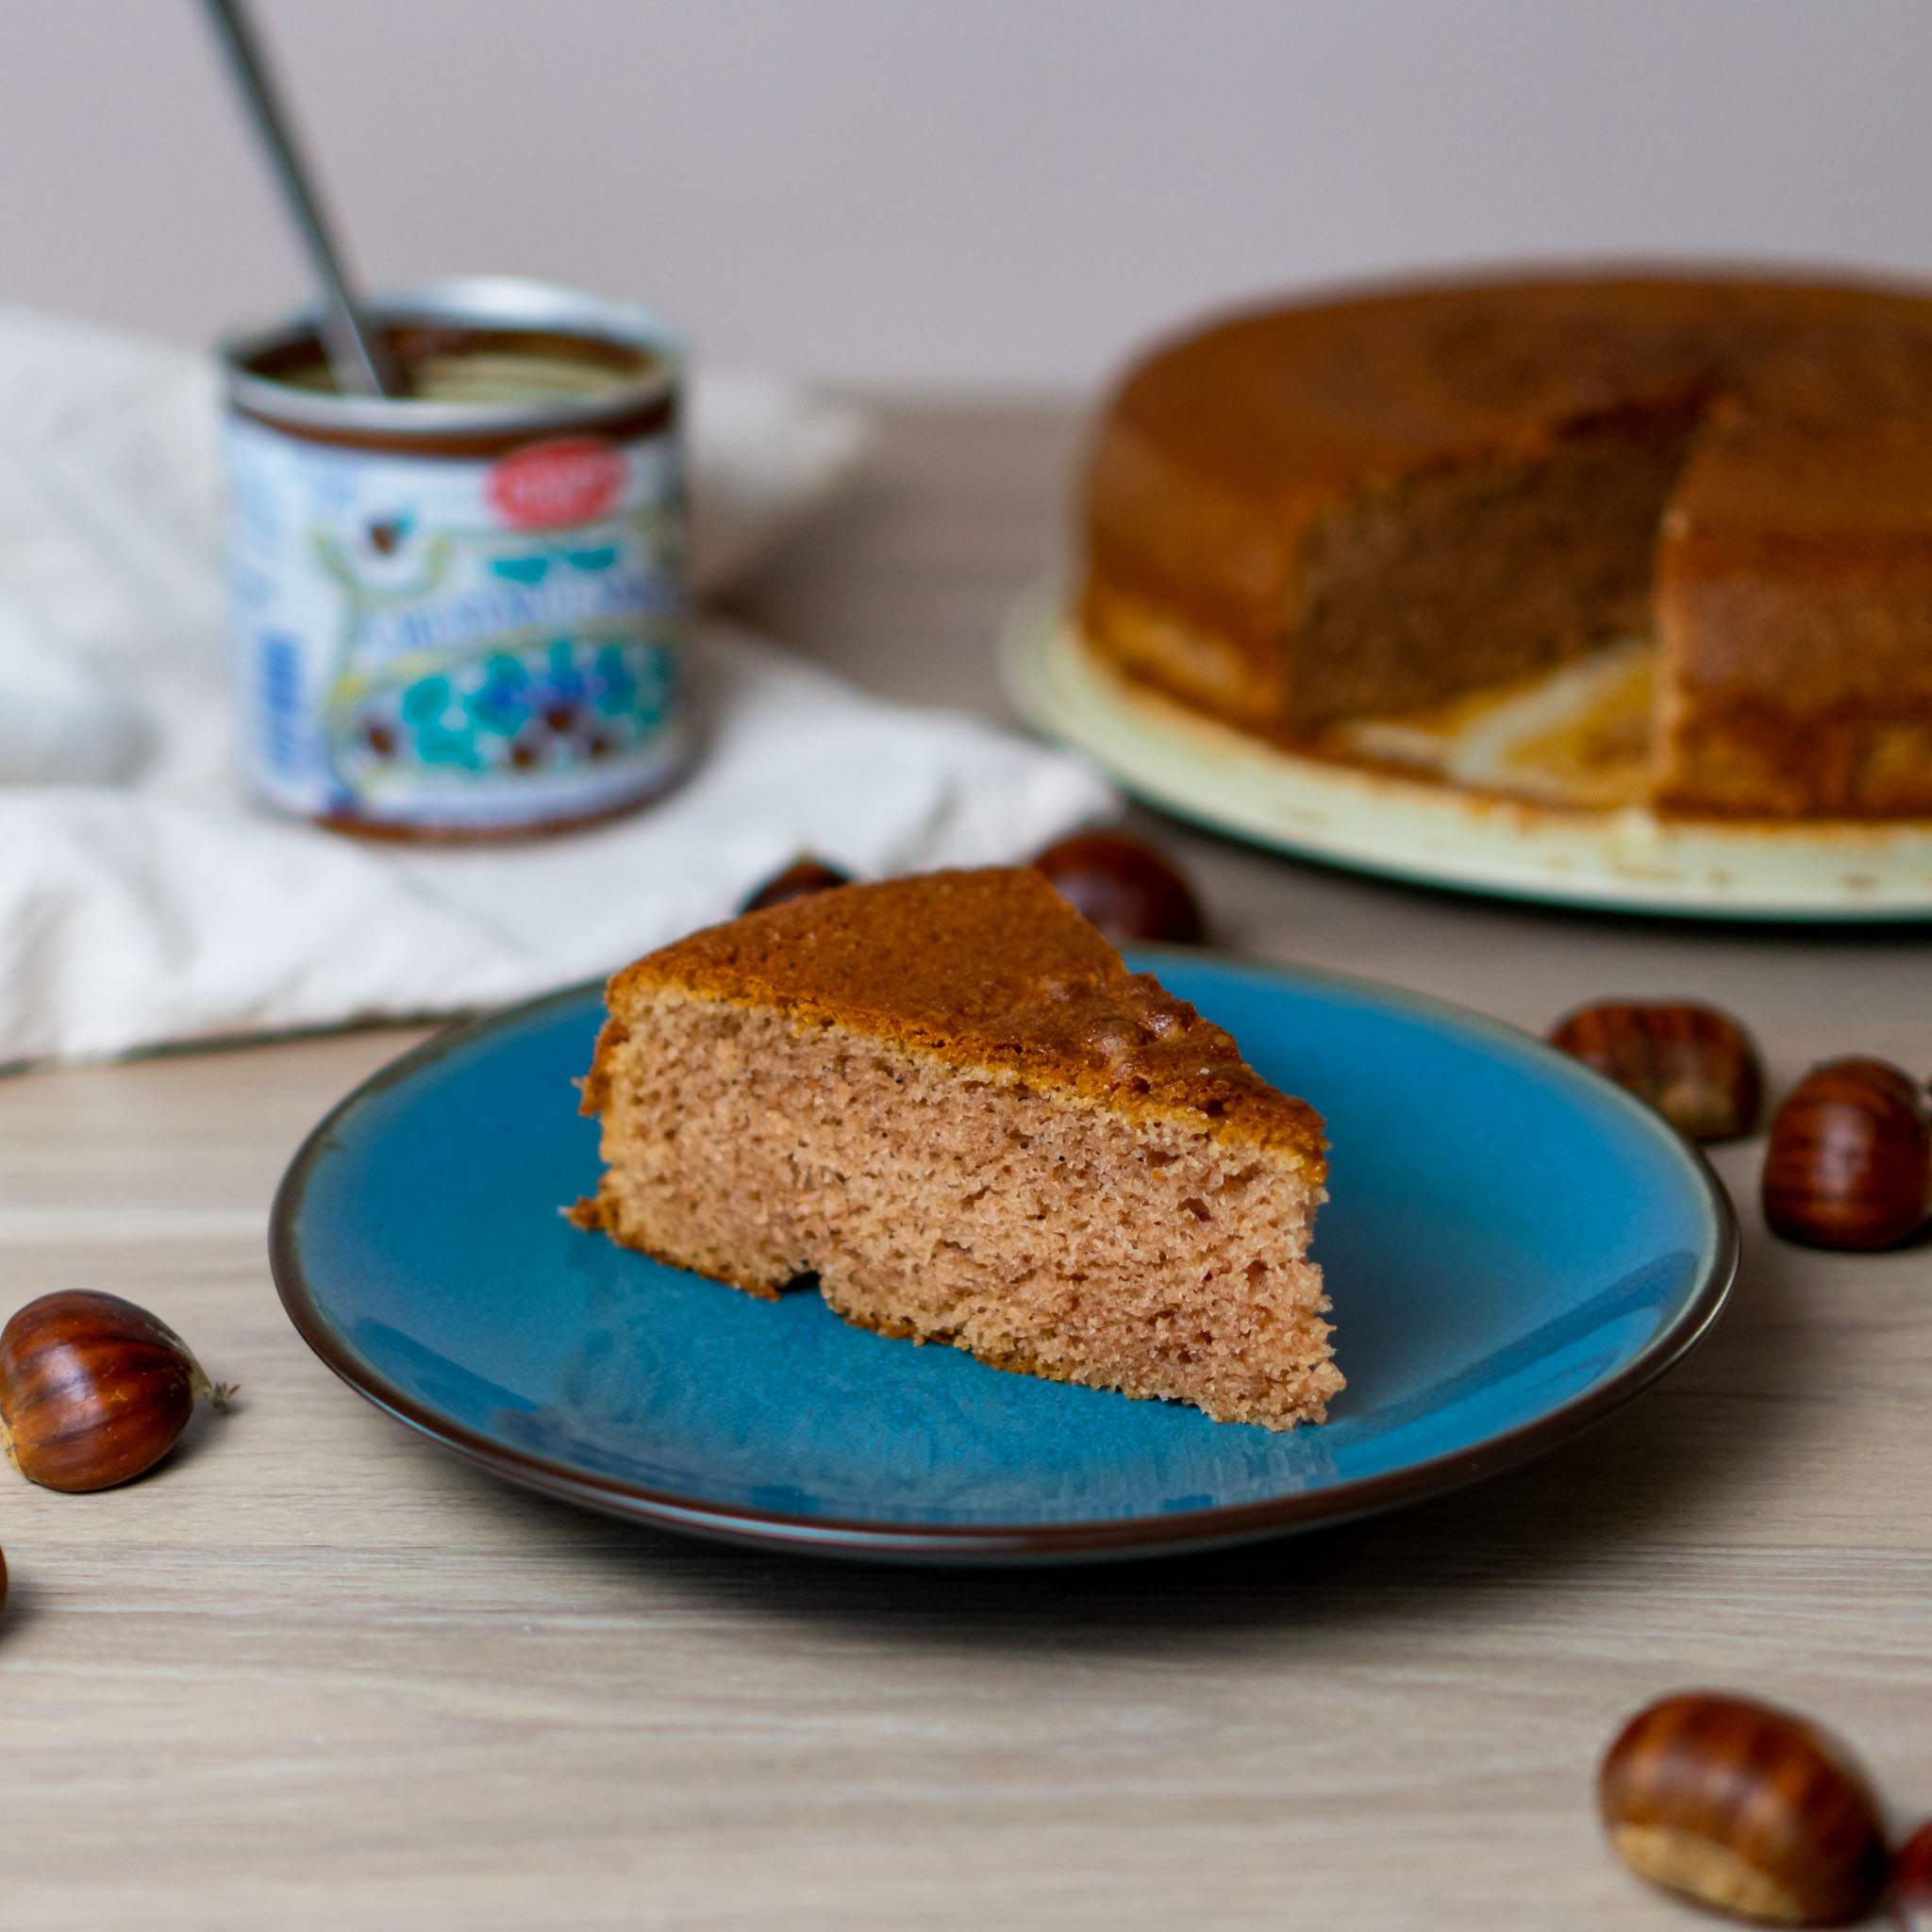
{"x": 567, "y": 481}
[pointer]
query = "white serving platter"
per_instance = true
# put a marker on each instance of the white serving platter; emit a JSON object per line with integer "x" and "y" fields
{"x": 1624, "y": 859}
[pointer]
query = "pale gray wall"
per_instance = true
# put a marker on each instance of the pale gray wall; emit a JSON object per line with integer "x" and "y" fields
{"x": 992, "y": 190}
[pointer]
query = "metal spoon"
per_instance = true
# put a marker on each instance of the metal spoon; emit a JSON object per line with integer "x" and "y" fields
{"x": 358, "y": 356}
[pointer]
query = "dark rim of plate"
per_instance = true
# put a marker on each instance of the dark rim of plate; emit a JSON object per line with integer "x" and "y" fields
{"x": 1040, "y": 1541}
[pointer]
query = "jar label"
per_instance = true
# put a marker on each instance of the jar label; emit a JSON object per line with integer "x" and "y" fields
{"x": 451, "y": 643}
{"x": 566, "y": 481}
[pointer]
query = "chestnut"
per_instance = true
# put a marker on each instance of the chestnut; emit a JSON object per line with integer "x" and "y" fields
{"x": 1911, "y": 1897}
{"x": 1745, "y": 1809}
{"x": 1127, "y": 888}
{"x": 94, "y": 1390}
{"x": 1850, "y": 1160}
{"x": 1695, "y": 1065}
{"x": 799, "y": 880}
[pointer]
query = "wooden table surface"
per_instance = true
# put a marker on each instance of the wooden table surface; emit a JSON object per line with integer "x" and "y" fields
{"x": 319, "y": 1674}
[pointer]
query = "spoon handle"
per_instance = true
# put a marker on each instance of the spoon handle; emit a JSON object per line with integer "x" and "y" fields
{"x": 359, "y": 357}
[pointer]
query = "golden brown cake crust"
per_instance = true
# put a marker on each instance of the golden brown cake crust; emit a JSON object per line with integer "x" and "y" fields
{"x": 1794, "y": 543}
{"x": 989, "y": 970}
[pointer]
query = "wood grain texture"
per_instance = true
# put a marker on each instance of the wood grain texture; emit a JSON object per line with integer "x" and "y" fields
{"x": 316, "y": 1674}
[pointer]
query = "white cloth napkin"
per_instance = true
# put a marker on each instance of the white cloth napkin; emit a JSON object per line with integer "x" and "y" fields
{"x": 142, "y": 902}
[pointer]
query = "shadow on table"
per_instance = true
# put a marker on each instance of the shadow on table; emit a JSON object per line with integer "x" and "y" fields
{"x": 22, "y": 1605}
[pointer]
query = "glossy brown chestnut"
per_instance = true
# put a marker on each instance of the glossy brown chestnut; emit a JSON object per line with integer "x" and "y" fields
{"x": 94, "y": 1390}
{"x": 1745, "y": 1809}
{"x": 1126, "y": 887}
{"x": 1694, "y": 1064}
{"x": 1911, "y": 1897}
{"x": 1850, "y": 1160}
{"x": 803, "y": 876}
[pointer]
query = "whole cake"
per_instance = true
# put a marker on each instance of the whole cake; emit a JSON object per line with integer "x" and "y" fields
{"x": 1312, "y": 513}
{"x": 947, "y": 1099}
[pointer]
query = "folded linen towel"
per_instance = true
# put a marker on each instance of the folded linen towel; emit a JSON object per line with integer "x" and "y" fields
{"x": 143, "y": 902}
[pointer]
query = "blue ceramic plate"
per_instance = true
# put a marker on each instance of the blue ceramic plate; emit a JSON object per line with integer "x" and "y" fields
{"x": 1514, "y": 1248}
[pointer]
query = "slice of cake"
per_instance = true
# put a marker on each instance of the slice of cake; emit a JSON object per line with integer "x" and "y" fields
{"x": 948, "y": 1100}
